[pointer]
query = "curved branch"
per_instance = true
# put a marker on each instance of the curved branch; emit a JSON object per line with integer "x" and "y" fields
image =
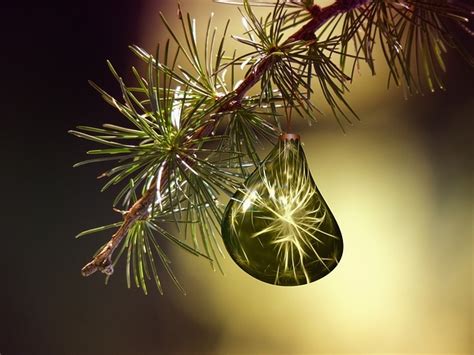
{"x": 102, "y": 261}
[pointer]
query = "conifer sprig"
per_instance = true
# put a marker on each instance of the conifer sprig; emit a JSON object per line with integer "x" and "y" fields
{"x": 193, "y": 129}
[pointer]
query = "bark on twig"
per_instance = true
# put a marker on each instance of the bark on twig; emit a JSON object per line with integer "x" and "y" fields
{"x": 103, "y": 260}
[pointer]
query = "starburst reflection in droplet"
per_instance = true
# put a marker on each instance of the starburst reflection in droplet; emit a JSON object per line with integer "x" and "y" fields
{"x": 288, "y": 210}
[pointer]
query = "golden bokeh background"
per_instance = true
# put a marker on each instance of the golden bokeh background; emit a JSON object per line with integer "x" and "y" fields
{"x": 403, "y": 203}
{"x": 399, "y": 183}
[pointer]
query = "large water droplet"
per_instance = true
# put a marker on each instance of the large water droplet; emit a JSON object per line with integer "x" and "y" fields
{"x": 277, "y": 227}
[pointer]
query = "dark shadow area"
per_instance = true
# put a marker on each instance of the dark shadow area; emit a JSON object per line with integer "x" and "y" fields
{"x": 49, "y": 51}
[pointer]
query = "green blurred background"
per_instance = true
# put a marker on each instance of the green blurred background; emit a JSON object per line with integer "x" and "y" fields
{"x": 399, "y": 183}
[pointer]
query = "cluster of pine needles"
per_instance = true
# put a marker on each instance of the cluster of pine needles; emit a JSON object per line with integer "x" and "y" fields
{"x": 192, "y": 136}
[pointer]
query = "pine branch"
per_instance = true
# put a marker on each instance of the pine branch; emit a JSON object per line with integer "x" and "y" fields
{"x": 102, "y": 261}
{"x": 305, "y": 33}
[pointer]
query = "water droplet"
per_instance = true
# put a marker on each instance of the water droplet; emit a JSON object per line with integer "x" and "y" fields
{"x": 277, "y": 226}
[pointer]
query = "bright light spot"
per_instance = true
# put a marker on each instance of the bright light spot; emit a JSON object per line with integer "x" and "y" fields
{"x": 237, "y": 84}
{"x": 249, "y": 200}
{"x": 159, "y": 198}
{"x": 245, "y": 24}
{"x": 177, "y": 104}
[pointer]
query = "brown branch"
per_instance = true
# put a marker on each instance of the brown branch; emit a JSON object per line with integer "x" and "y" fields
{"x": 139, "y": 211}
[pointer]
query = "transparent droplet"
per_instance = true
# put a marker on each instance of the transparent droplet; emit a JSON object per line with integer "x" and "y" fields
{"x": 277, "y": 227}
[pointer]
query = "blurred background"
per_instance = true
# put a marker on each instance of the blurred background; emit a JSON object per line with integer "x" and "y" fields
{"x": 399, "y": 183}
